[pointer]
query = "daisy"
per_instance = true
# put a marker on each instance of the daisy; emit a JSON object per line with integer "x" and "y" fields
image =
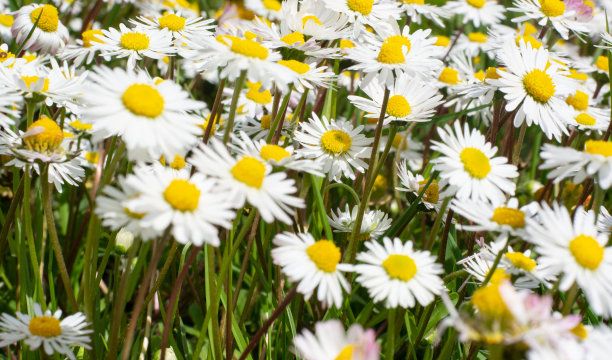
{"x": 469, "y": 166}
{"x": 308, "y": 75}
{"x": 179, "y": 26}
{"x": 594, "y": 161}
{"x": 505, "y": 217}
{"x": 585, "y": 115}
{"x": 259, "y": 127}
{"x": 575, "y": 249}
{"x": 248, "y": 179}
{"x": 398, "y": 274}
{"x": 376, "y": 13}
{"x": 604, "y": 221}
{"x": 313, "y": 265}
{"x": 253, "y": 102}
{"x": 135, "y": 44}
{"x": 46, "y": 329}
{"x": 6, "y": 22}
{"x": 150, "y": 116}
{"x": 192, "y": 205}
{"x": 338, "y": 145}
{"x": 410, "y": 100}
{"x": 414, "y": 184}
{"x": 83, "y": 51}
{"x": 268, "y": 9}
{"x": 315, "y": 20}
{"x": 9, "y": 102}
{"x": 418, "y": 9}
{"x": 554, "y": 12}
{"x": 478, "y": 12}
{"x": 330, "y": 342}
{"x": 49, "y": 34}
{"x": 373, "y": 225}
{"x": 404, "y": 147}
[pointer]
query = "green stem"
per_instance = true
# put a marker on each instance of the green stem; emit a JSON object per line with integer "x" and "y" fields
{"x": 437, "y": 224}
{"x": 279, "y": 115}
{"x": 238, "y": 85}
{"x": 390, "y": 346}
{"x": 316, "y": 191}
{"x": 345, "y": 187}
{"x": 572, "y": 294}
{"x": 30, "y": 109}
{"x": 27, "y": 222}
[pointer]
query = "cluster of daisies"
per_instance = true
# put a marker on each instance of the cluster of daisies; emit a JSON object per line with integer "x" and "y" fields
{"x": 389, "y": 156}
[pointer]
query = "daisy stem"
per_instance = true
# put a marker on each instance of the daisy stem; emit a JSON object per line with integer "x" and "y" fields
{"x": 390, "y": 348}
{"x": 162, "y": 273}
{"x": 368, "y": 179}
{"x": 30, "y": 109}
{"x": 27, "y": 223}
{"x": 516, "y": 155}
{"x": 10, "y": 215}
{"x": 437, "y": 224}
{"x": 380, "y": 161}
{"x": 238, "y": 85}
{"x": 570, "y": 299}
{"x": 277, "y": 120}
{"x": 214, "y": 111}
{"x": 316, "y": 191}
{"x": 345, "y": 187}
{"x": 422, "y": 326}
{"x": 57, "y": 248}
{"x": 493, "y": 267}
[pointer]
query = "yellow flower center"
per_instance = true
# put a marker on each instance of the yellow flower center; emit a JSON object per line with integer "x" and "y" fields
{"x": 442, "y": 40}
{"x": 89, "y": 36}
{"x": 294, "y": 37}
{"x": 398, "y": 106}
{"x": 576, "y": 75}
{"x": 49, "y": 139}
{"x": 589, "y": 4}
{"x": 478, "y": 37}
{"x": 552, "y": 8}
{"x": 80, "y": 126}
{"x": 431, "y": 194}
{"x": 401, "y": 267}
{"x": 273, "y": 152}
{"x": 272, "y": 5}
{"x": 6, "y": 20}
{"x": 539, "y": 85}
{"x": 475, "y": 162}
{"x": 32, "y": 79}
{"x": 250, "y": 48}
{"x": 177, "y": 164}
{"x": 182, "y": 195}
{"x": 297, "y": 66}
{"x": 249, "y": 171}
{"x": 480, "y": 75}
{"x": 135, "y": 41}
{"x": 587, "y": 251}
{"x": 398, "y": 141}
{"x": 361, "y": 6}
{"x": 143, "y": 100}
{"x": 529, "y": 40}
{"x": 132, "y": 214}
{"x": 346, "y": 353}
{"x": 172, "y": 22}
{"x": 325, "y": 254}
{"x": 46, "y": 326}
{"x": 489, "y": 302}
{"x": 509, "y": 216}
{"x": 519, "y": 260}
{"x": 48, "y": 20}
{"x": 263, "y": 97}
{"x": 312, "y": 18}
{"x": 580, "y": 101}
{"x": 266, "y": 120}
{"x": 598, "y": 147}
{"x": 346, "y": 44}
{"x": 585, "y": 119}
{"x": 391, "y": 53}
{"x": 476, "y": 3}
{"x": 449, "y": 76}
{"x": 92, "y": 157}
{"x": 336, "y": 141}
{"x": 580, "y": 331}
{"x": 602, "y": 63}
{"x": 418, "y": 2}
{"x": 498, "y": 276}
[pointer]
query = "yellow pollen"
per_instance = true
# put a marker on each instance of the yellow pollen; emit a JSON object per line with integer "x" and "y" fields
{"x": 477, "y": 60}
{"x": 529, "y": 40}
{"x": 598, "y": 147}
{"x": 336, "y": 142}
{"x": 135, "y": 41}
{"x": 297, "y": 66}
{"x": 476, "y": 3}
{"x": 391, "y": 52}
{"x": 442, "y": 40}
{"x": 489, "y": 302}
{"x": 529, "y": 29}
{"x": 249, "y": 35}
{"x": 177, "y": 164}
{"x": 361, "y": 6}
{"x": 449, "y": 76}
{"x": 80, "y": 126}
{"x": 539, "y": 85}
{"x": 29, "y": 80}
{"x": 498, "y": 276}
{"x": 475, "y": 162}
{"x": 578, "y": 76}
{"x": 478, "y": 37}
{"x": 325, "y": 254}
{"x": 380, "y": 184}
{"x": 401, "y": 267}
{"x": 273, "y": 152}
{"x": 266, "y": 121}
{"x": 49, "y": 139}
{"x": 399, "y": 39}
{"x": 580, "y": 101}
{"x": 89, "y": 36}
{"x": 398, "y": 140}
{"x": 346, "y": 44}
{"x": 519, "y": 260}
{"x": 480, "y": 75}
{"x": 172, "y": 22}
{"x": 580, "y": 331}
{"x": 552, "y": 8}
{"x": 263, "y": 97}
{"x": 602, "y": 63}
{"x": 143, "y": 100}
{"x": 182, "y": 195}
{"x": 92, "y": 157}
{"x": 249, "y": 48}
{"x": 48, "y": 21}
{"x": 492, "y": 73}
{"x": 28, "y": 57}
{"x": 398, "y": 106}
{"x": 346, "y": 353}
{"x": 509, "y": 216}
{"x": 432, "y": 194}
{"x": 294, "y": 37}
{"x": 312, "y": 18}
{"x": 587, "y": 251}
{"x": 6, "y": 55}
{"x": 46, "y": 326}
{"x": 585, "y": 119}
{"x": 272, "y": 5}
{"x": 6, "y": 20}
{"x": 417, "y": 2}
{"x": 249, "y": 171}
{"x": 589, "y": 4}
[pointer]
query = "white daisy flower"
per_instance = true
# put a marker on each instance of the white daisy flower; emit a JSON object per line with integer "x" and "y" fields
{"x": 505, "y": 217}
{"x": 566, "y": 162}
{"x": 418, "y": 9}
{"x": 315, "y": 20}
{"x": 268, "y": 9}
{"x": 248, "y": 179}
{"x": 179, "y": 26}
{"x": 309, "y": 75}
{"x": 398, "y": 274}
{"x": 585, "y": 115}
{"x": 414, "y": 184}
{"x": 84, "y": 51}
{"x": 6, "y": 22}
{"x": 313, "y": 265}
{"x": 49, "y": 34}
{"x": 259, "y": 127}
{"x": 553, "y": 11}
{"x": 376, "y": 13}
{"x": 409, "y": 149}
{"x": 149, "y": 115}
{"x": 253, "y": 102}
{"x": 577, "y": 250}
{"x": 46, "y": 329}
{"x": 468, "y": 165}
{"x": 331, "y": 342}
{"x": 135, "y": 44}
{"x": 478, "y": 12}
{"x": 373, "y": 225}
{"x": 338, "y": 145}
{"x": 604, "y": 221}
